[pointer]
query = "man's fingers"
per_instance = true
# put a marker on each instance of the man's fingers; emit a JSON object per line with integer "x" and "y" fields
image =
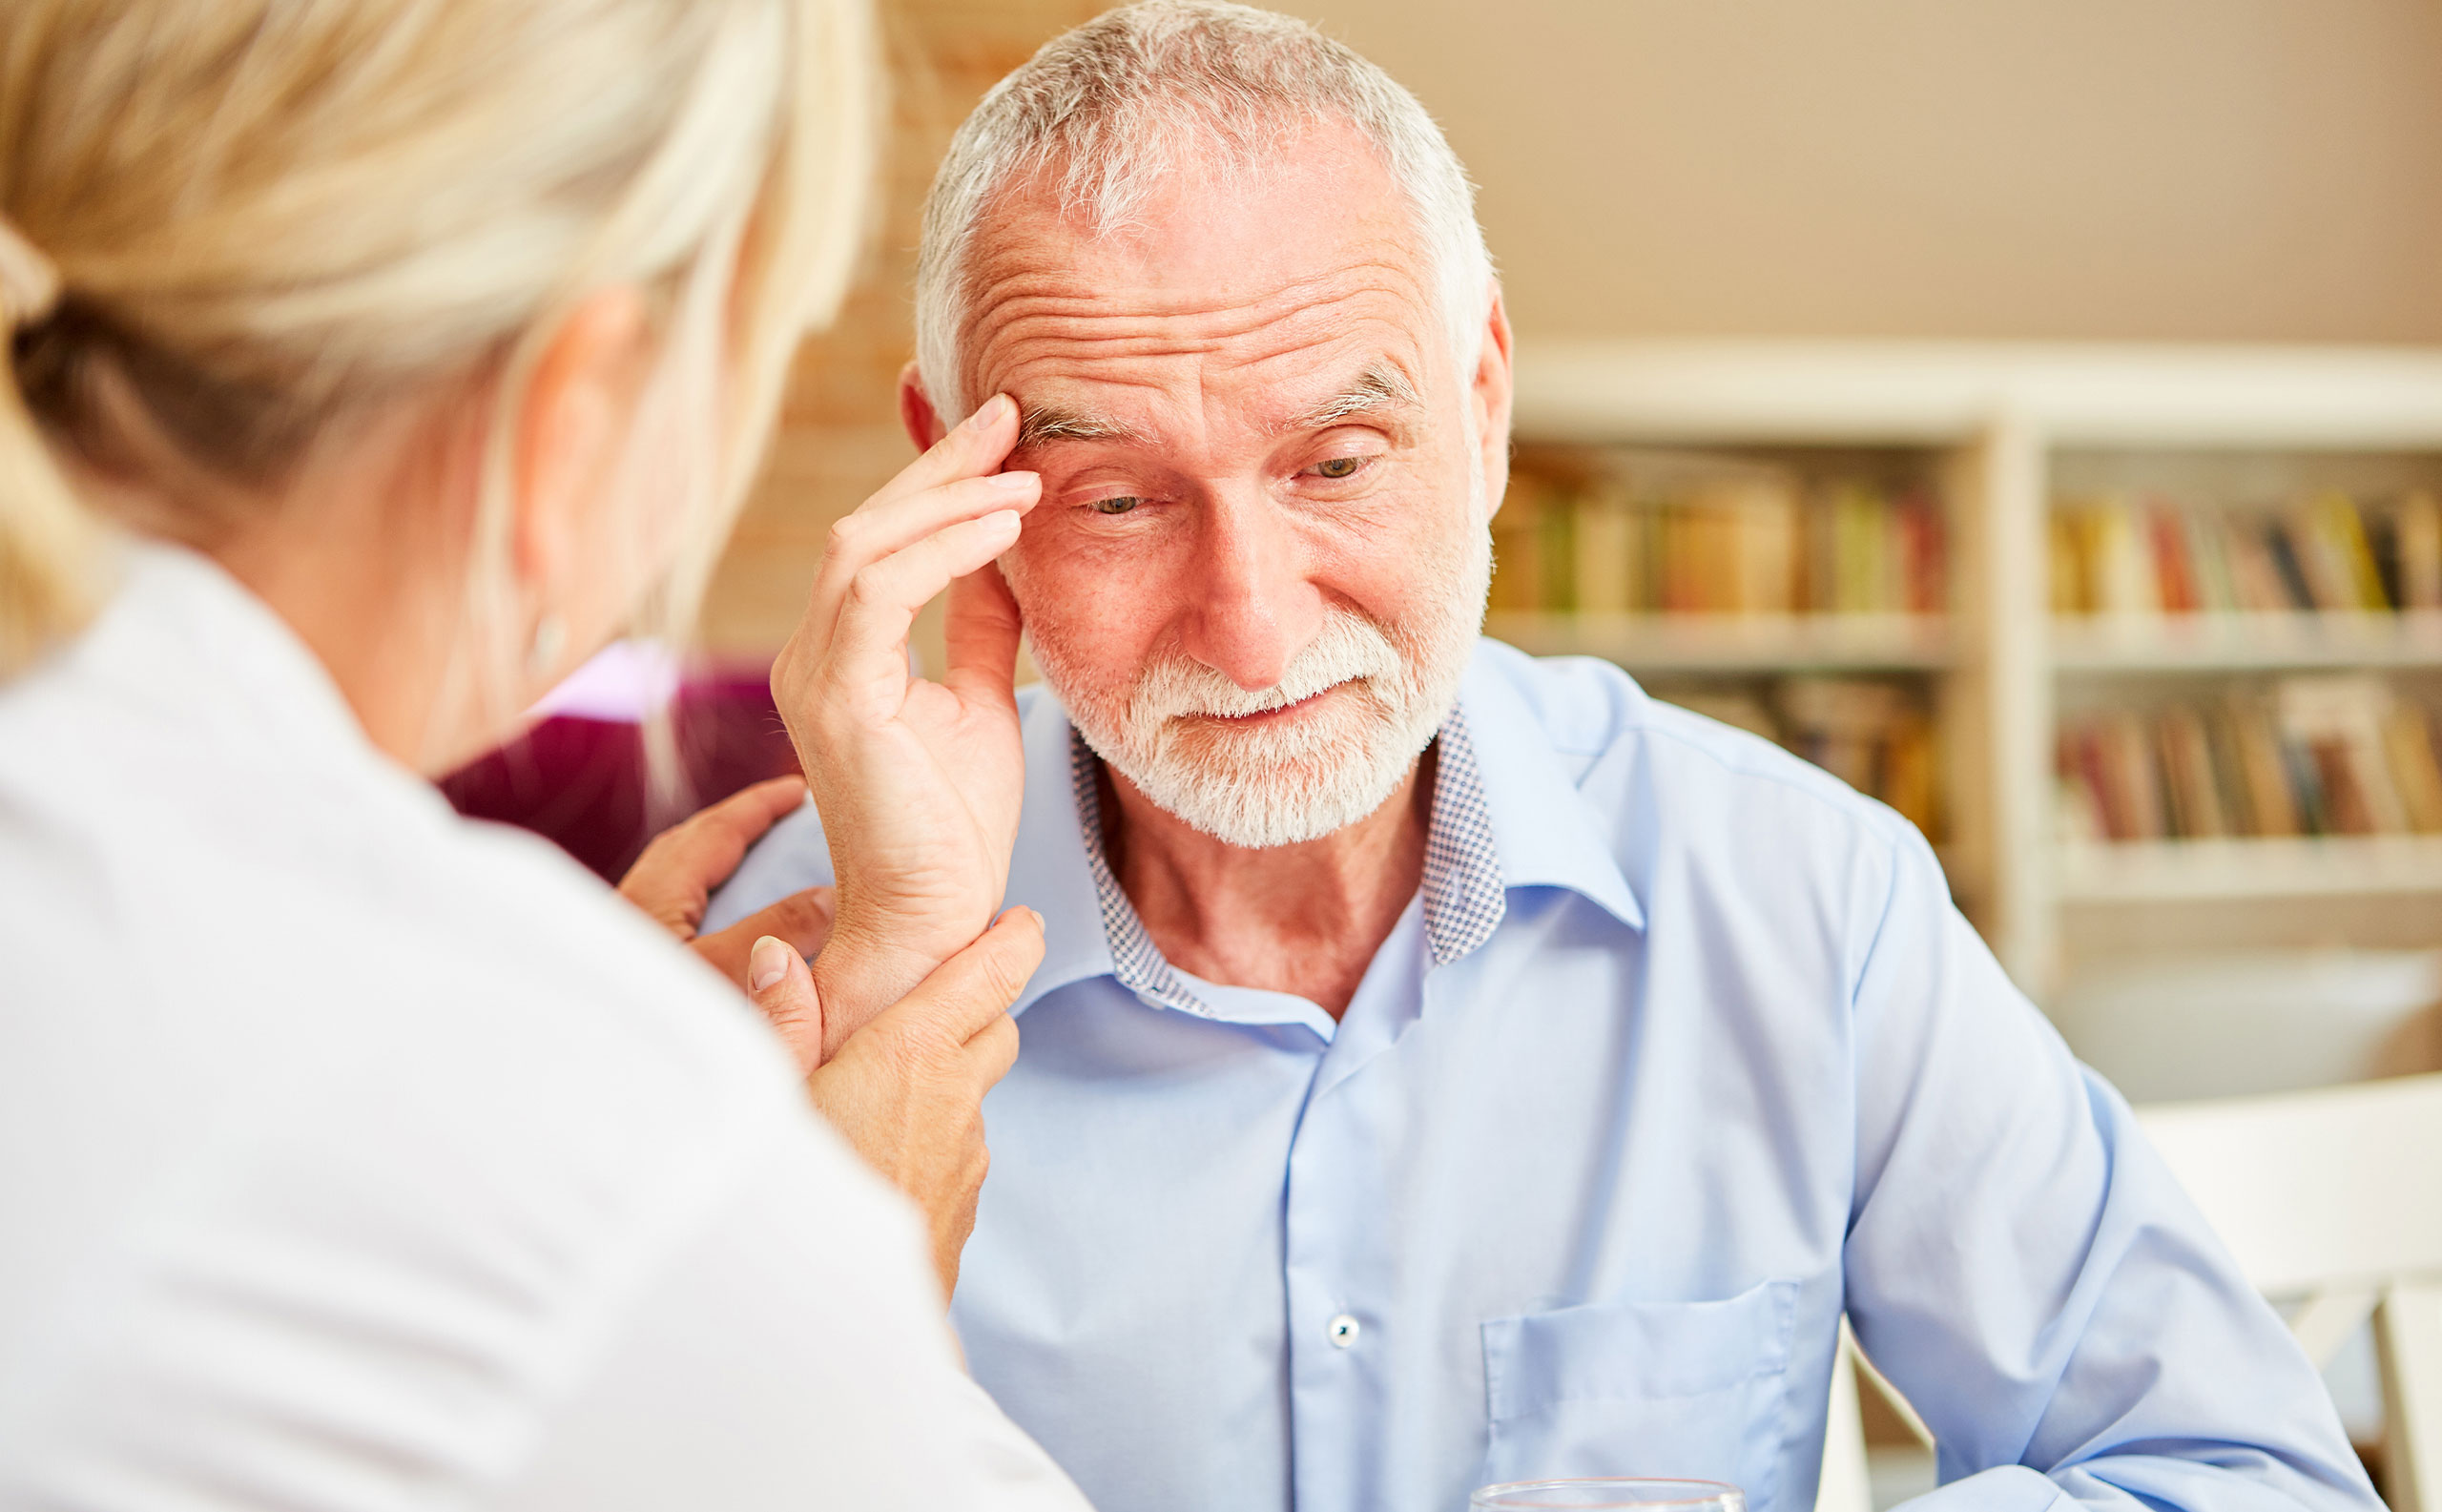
{"x": 876, "y": 533}
{"x": 955, "y": 480}
{"x": 968, "y": 991}
{"x": 779, "y": 985}
{"x": 870, "y": 636}
{"x": 976, "y": 445}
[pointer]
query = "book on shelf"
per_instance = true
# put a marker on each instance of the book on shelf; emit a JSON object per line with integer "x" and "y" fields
{"x": 1876, "y": 735}
{"x": 2324, "y": 554}
{"x": 2309, "y": 755}
{"x": 1641, "y": 534}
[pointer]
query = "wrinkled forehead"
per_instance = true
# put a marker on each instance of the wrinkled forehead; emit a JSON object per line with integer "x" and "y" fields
{"x": 1257, "y": 291}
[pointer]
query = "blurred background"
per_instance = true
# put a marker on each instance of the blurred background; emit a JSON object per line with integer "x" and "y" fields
{"x": 2031, "y": 412}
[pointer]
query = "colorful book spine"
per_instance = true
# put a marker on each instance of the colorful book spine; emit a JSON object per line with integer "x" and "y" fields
{"x": 1876, "y": 735}
{"x": 2337, "y": 755}
{"x": 2326, "y": 554}
{"x": 1600, "y": 541}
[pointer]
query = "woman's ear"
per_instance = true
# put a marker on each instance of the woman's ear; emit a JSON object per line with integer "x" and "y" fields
{"x": 578, "y": 406}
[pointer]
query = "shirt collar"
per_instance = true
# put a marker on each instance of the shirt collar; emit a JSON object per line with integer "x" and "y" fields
{"x": 1547, "y": 834}
{"x": 1505, "y": 814}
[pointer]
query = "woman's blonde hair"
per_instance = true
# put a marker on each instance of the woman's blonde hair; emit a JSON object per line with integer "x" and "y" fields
{"x": 225, "y": 223}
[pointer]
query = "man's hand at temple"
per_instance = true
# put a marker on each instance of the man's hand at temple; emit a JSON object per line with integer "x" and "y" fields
{"x": 907, "y": 1089}
{"x": 675, "y": 878}
{"x": 919, "y": 782}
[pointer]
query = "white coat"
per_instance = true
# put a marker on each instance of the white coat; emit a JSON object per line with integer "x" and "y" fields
{"x": 355, "y": 1157}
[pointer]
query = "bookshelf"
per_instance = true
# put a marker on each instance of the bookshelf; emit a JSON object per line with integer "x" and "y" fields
{"x": 2015, "y": 445}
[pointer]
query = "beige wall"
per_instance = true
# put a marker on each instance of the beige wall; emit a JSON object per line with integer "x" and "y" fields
{"x": 2183, "y": 170}
{"x": 2188, "y": 170}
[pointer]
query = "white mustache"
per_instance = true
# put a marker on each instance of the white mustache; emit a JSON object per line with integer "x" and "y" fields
{"x": 1347, "y": 648}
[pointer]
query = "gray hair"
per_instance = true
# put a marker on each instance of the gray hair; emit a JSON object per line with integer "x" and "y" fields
{"x": 1103, "y": 111}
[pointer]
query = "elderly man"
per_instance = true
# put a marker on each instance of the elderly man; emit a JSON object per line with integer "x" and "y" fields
{"x": 1451, "y": 1067}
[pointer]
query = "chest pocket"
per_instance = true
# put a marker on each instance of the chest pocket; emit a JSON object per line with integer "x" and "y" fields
{"x": 1682, "y": 1389}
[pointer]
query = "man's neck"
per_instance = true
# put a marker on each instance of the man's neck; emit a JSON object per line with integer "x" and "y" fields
{"x": 1303, "y": 919}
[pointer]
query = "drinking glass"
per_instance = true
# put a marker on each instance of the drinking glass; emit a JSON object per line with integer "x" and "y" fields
{"x": 1590, "y": 1495}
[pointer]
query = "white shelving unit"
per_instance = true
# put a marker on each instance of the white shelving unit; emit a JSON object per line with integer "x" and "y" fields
{"x": 2006, "y": 426}
{"x": 2196, "y": 871}
{"x": 2249, "y": 642}
{"x": 1687, "y": 643}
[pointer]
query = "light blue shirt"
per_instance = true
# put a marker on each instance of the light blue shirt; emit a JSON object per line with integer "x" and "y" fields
{"x": 1681, "y": 1051}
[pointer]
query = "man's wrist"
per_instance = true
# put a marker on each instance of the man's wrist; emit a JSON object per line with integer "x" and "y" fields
{"x": 862, "y": 972}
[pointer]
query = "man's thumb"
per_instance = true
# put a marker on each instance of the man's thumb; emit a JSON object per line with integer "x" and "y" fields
{"x": 777, "y": 980}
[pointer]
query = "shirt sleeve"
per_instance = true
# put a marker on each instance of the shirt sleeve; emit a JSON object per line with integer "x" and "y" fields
{"x": 792, "y": 1354}
{"x": 2025, "y": 1268}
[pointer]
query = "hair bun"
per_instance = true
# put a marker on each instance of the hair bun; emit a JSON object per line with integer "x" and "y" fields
{"x": 29, "y": 280}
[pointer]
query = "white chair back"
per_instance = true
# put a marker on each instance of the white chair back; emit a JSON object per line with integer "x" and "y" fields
{"x": 2334, "y": 1196}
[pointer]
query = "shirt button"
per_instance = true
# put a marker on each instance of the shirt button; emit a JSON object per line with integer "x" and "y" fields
{"x": 1342, "y": 1331}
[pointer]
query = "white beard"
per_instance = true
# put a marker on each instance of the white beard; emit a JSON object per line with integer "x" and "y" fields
{"x": 1324, "y": 769}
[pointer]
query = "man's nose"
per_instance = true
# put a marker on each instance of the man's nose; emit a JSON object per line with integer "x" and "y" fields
{"x": 1256, "y": 607}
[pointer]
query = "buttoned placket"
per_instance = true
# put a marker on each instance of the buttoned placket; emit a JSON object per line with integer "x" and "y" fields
{"x": 1336, "y": 1274}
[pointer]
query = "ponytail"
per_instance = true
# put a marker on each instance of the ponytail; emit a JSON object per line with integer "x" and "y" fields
{"x": 49, "y": 543}
{"x": 273, "y": 213}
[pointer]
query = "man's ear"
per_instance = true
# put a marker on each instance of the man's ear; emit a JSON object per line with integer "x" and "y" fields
{"x": 916, "y": 411}
{"x": 579, "y": 400}
{"x": 1492, "y": 392}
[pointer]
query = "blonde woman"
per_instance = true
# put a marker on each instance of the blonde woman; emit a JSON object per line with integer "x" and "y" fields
{"x": 371, "y": 362}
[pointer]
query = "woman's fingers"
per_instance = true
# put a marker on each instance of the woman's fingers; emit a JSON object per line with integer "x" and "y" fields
{"x": 992, "y": 1052}
{"x": 747, "y": 813}
{"x": 971, "y": 990}
{"x": 675, "y": 878}
{"x": 803, "y": 920}
{"x": 779, "y": 985}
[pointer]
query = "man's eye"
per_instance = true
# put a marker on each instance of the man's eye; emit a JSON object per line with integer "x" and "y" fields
{"x": 1339, "y": 466}
{"x": 1119, "y": 506}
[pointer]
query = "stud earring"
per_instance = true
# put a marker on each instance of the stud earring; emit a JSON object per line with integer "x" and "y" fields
{"x": 551, "y": 639}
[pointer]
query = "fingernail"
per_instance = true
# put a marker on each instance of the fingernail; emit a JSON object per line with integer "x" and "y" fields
{"x": 1036, "y": 917}
{"x": 1019, "y": 482}
{"x": 994, "y": 410}
{"x": 767, "y": 964}
{"x": 1003, "y": 522}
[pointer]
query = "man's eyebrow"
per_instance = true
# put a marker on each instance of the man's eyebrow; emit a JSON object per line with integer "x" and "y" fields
{"x": 1038, "y": 423}
{"x": 1379, "y": 387}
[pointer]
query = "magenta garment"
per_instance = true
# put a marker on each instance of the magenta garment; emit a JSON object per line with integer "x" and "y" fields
{"x": 580, "y": 782}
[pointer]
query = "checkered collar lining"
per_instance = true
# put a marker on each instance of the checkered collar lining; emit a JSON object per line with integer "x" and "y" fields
{"x": 1464, "y": 895}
